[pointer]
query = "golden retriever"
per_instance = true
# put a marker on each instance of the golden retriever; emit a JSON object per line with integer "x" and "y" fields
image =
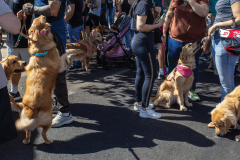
{"x": 82, "y": 51}
{"x": 176, "y": 90}
{"x": 41, "y": 77}
{"x": 227, "y": 113}
{"x": 10, "y": 66}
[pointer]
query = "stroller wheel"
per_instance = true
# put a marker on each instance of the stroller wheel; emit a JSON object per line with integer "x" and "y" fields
{"x": 131, "y": 61}
{"x": 107, "y": 65}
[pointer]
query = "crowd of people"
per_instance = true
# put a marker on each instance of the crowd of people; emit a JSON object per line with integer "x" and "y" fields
{"x": 185, "y": 22}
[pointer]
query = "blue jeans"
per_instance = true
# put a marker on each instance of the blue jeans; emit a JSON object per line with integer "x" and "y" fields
{"x": 225, "y": 64}
{"x": 174, "y": 50}
{"x": 110, "y": 14}
{"x": 126, "y": 37}
{"x": 74, "y": 32}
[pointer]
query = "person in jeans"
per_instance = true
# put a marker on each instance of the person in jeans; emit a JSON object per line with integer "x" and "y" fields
{"x": 74, "y": 21}
{"x": 110, "y": 14}
{"x": 54, "y": 12}
{"x": 10, "y": 23}
{"x": 142, "y": 46}
{"x": 124, "y": 6}
{"x": 93, "y": 15}
{"x": 188, "y": 25}
{"x": 21, "y": 51}
{"x": 227, "y": 10}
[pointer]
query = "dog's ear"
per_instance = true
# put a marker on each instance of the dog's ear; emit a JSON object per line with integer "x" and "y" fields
{"x": 229, "y": 119}
{"x": 183, "y": 54}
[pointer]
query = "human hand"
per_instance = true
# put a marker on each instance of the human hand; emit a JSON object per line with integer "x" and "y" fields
{"x": 161, "y": 22}
{"x": 21, "y": 15}
{"x": 211, "y": 30}
{"x": 158, "y": 10}
{"x": 26, "y": 8}
{"x": 205, "y": 41}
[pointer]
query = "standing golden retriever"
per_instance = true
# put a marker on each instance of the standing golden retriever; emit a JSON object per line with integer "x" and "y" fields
{"x": 42, "y": 72}
{"x": 175, "y": 88}
{"x": 82, "y": 51}
{"x": 227, "y": 113}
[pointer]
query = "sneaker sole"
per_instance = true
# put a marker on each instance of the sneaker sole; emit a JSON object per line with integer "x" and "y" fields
{"x": 68, "y": 122}
{"x": 195, "y": 100}
{"x": 17, "y": 98}
{"x": 149, "y": 117}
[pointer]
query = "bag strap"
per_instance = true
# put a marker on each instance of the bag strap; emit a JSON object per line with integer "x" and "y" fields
{"x": 234, "y": 24}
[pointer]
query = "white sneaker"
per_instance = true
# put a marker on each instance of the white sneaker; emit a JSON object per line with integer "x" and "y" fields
{"x": 149, "y": 113}
{"x": 138, "y": 107}
{"x": 60, "y": 120}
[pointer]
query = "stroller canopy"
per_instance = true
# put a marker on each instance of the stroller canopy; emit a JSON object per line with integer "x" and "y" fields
{"x": 122, "y": 21}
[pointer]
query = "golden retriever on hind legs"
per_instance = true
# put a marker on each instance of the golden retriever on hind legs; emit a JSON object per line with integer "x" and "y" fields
{"x": 175, "y": 88}
{"x": 227, "y": 113}
{"x": 42, "y": 72}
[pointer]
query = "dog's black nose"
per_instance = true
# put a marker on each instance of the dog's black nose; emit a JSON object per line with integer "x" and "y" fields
{"x": 24, "y": 63}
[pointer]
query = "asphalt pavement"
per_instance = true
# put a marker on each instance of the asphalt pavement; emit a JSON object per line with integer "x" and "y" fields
{"x": 106, "y": 127}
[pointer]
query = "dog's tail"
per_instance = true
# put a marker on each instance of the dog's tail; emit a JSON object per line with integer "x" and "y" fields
{"x": 15, "y": 107}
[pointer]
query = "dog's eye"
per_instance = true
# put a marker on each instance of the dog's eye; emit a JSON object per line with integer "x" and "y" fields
{"x": 14, "y": 62}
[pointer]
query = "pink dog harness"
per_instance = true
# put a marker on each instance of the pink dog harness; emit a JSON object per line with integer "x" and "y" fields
{"x": 186, "y": 72}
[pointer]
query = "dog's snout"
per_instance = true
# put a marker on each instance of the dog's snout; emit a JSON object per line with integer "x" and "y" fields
{"x": 24, "y": 63}
{"x": 218, "y": 134}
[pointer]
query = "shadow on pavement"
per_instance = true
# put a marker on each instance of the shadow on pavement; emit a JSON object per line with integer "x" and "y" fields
{"x": 121, "y": 127}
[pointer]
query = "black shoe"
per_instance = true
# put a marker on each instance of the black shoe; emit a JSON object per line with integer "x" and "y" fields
{"x": 74, "y": 68}
{"x": 16, "y": 96}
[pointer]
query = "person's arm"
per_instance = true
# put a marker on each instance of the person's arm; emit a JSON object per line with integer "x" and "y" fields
{"x": 201, "y": 10}
{"x": 130, "y": 2}
{"x": 95, "y": 5}
{"x": 83, "y": 8}
{"x": 103, "y": 1}
{"x": 168, "y": 19}
{"x": 227, "y": 24}
{"x": 70, "y": 12}
{"x": 143, "y": 27}
{"x": 119, "y": 6}
{"x": 51, "y": 9}
{"x": 10, "y": 23}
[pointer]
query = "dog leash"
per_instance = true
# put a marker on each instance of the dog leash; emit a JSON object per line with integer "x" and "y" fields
{"x": 20, "y": 35}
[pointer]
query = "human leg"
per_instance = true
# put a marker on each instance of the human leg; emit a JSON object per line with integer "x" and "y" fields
{"x": 74, "y": 34}
{"x": 146, "y": 74}
{"x": 61, "y": 92}
{"x": 174, "y": 50}
{"x": 22, "y": 54}
{"x": 7, "y": 125}
{"x": 225, "y": 65}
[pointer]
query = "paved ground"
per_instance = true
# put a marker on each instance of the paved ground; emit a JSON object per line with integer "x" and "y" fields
{"x": 106, "y": 127}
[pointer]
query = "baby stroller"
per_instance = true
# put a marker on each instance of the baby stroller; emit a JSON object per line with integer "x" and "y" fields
{"x": 114, "y": 50}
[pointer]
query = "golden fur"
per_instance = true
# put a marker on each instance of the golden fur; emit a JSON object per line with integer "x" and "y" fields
{"x": 176, "y": 90}
{"x": 41, "y": 77}
{"x": 101, "y": 29}
{"x": 79, "y": 51}
{"x": 224, "y": 115}
{"x": 10, "y": 66}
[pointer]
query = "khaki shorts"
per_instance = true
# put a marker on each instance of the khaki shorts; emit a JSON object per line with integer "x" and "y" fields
{"x": 21, "y": 53}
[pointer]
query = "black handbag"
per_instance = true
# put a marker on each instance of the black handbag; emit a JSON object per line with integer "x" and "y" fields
{"x": 230, "y": 39}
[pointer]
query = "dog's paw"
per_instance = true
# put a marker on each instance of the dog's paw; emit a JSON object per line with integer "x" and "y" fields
{"x": 189, "y": 104}
{"x": 183, "y": 109}
{"x": 49, "y": 141}
{"x": 237, "y": 138}
{"x": 26, "y": 141}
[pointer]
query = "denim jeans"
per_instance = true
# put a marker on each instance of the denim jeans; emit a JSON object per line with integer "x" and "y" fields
{"x": 126, "y": 37}
{"x": 110, "y": 15}
{"x": 225, "y": 65}
{"x": 74, "y": 33}
{"x": 174, "y": 50}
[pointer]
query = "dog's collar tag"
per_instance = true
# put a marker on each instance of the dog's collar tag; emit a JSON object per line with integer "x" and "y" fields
{"x": 40, "y": 54}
